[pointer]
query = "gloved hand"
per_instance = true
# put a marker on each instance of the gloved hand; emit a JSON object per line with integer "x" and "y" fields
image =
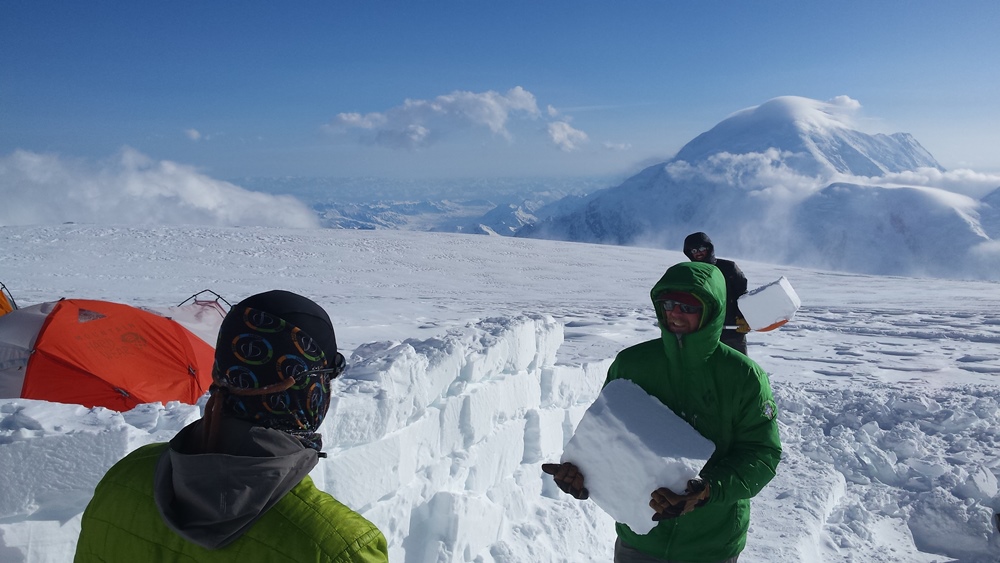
{"x": 742, "y": 326}
{"x": 668, "y": 504}
{"x": 568, "y": 478}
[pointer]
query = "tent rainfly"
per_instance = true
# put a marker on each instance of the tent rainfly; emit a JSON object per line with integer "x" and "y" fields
{"x": 99, "y": 353}
{"x": 7, "y": 303}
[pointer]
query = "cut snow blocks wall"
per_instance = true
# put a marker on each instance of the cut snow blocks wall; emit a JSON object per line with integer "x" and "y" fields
{"x": 457, "y": 425}
{"x": 475, "y": 525}
{"x": 496, "y": 457}
{"x": 493, "y": 402}
{"x": 55, "y": 456}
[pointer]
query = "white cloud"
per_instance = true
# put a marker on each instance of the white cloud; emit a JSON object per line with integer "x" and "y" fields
{"x": 193, "y": 134}
{"x": 845, "y": 110}
{"x": 565, "y": 136}
{"x": 132, "y": 188}
{"x": 553, "y": 112}
{"x": 988, "y": 252}
{"x": 764, "y": 173}
{"x": 412, "y": 135}
{"x": 368, "y": 121}
{"x": 845, "y": 103}
{"x": 962, "y": 181}
{"x": 769, "y": 174}
{"x": 617, "y": 146}
{"x": 418, "y": 123}
{"x": 841, "y": 111}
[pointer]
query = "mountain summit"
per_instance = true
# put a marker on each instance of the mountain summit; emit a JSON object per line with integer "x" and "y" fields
{"x": 792, "y": 181}
{"x": 818, "y": 138}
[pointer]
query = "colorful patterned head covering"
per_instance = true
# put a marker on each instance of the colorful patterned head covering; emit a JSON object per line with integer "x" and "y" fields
{"x": 274, "y": 360}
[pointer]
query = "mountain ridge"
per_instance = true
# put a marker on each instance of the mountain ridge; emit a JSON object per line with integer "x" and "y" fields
{"x": 793, "y": 163}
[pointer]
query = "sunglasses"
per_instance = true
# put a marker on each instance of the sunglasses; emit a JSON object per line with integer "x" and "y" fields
{"x": 329, "y": 373}
{"x": 338, "y": 367}
{"x": 669, "y": 304}
{"x": 699, "y": 250}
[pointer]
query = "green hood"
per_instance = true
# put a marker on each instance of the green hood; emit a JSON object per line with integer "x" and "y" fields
{"x": 705, "y": 282}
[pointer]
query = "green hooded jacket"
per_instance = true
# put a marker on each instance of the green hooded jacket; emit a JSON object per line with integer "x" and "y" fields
{"x": 165, "y": 502}
{"x": 727, "y": 398}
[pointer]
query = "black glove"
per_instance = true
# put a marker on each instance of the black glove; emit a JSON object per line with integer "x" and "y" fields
{"x": 568, "y": 478}
{"x": 667, "y": 504}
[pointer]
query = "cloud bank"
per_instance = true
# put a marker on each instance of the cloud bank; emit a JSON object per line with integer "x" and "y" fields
{"x": 133, "y": 189}
{"x": 962, "y": 181}
{"x": 765, "y": 174}
{"x": 420, "y": 123}
{"x": 768, "y": 173}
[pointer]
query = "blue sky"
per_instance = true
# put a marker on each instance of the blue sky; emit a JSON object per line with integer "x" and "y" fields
{"x": 475, "y": 88}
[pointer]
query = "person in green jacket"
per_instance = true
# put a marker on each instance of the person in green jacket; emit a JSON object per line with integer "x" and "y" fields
{"x": 234, "y": 485}
{"x": 720, "y": 392}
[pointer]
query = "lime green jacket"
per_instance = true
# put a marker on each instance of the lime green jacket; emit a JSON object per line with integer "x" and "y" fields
{"x": 726, "y": 397}
{"x": 122, "y": 523}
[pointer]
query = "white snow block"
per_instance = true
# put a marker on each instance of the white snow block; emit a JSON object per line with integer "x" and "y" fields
{"x": 627, "y": 445}
{"x": 769, "y": 306}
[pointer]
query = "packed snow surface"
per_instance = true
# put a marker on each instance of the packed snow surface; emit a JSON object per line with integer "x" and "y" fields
{"x": 473, "y": 358}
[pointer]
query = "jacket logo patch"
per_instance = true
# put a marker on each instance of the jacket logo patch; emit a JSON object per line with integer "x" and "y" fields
{"x": 770, "y": 410}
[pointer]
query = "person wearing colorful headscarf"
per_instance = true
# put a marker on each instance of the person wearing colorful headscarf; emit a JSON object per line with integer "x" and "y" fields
{"x": 234, "y": 485}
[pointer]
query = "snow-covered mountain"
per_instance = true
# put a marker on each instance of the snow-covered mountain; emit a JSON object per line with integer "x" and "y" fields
{"x": 791, "y": 181}
{"x": 990, "y": 214}
{"x": 855, "y": 224}
{"x": 504, "y": 220}
{"x": 817, "y": 135}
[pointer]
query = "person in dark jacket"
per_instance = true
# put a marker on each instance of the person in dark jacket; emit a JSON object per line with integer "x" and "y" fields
{"x": 699, "y": 248}
{"x": 722, "y": 394}
{"x": 234, "y": 485}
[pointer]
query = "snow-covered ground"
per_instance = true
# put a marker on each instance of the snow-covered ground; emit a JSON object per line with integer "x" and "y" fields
{"x": 473, "y": 358}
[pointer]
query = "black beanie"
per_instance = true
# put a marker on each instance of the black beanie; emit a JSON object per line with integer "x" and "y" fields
{"x": 268, "y": 339}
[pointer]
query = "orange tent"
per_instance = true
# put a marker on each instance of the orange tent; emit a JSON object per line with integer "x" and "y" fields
{"x": 98, "y": 353}
{"x": 6, "y": 301}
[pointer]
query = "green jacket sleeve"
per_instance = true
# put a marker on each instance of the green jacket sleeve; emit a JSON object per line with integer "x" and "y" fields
{"x": 753, "y": 457}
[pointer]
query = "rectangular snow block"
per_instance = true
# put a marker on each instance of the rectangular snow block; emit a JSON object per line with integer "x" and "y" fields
{"x": 769, "y": 306}
{"x": 629, "y": 444}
